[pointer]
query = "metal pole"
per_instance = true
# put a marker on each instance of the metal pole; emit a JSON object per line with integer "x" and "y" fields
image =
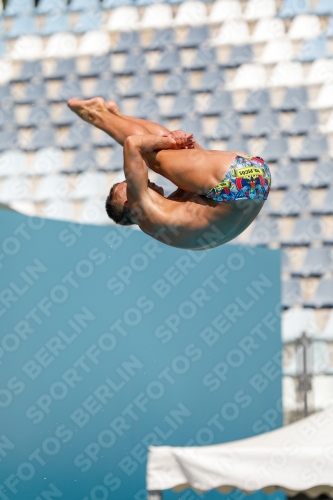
{"x": 305, "y": 374}
{"x": 154, "y": 495}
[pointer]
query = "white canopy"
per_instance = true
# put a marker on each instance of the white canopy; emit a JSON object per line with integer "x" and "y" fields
{"x": 296, "y": 458}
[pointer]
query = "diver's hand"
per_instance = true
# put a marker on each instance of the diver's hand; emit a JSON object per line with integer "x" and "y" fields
{"x": 183, "y": 140}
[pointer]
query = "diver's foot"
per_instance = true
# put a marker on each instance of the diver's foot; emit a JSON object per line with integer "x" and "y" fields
{"x": 112, "y": 107}
{"x": 90, "y": 110}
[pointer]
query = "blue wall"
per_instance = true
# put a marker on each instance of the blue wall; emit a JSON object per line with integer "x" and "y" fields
{"x": 111, "y": 342}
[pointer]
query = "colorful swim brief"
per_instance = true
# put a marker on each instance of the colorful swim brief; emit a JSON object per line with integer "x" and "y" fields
{"x": 247, "y": 178}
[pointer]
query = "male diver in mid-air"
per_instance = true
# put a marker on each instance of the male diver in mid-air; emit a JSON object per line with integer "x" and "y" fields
{"x": 219, "y": 192}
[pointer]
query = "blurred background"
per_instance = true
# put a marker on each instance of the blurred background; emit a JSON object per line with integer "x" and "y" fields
{"x": 248, "y": 75}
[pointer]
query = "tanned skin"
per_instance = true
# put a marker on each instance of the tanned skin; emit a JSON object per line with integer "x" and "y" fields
{"x": 186, "y": 218}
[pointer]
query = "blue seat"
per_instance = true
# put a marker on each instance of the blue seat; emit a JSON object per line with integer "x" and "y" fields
{"x": 163, "y": 39}
{"x": 256, "y": 101}
{"x": 317, "y": 262}
{"x": 42, "y": 138}
{"x": 219, "y": 103}
{"x": 305, "y": 121}
{"x": 182, "y": 106}
{"x": 174, "y": 83}
{"x": 240, "y": 55}
{"x": 8, "y": 140}
{"x": 286, "y": 262}
{"x": 112, "y": 4}
{"x": 139, "y": 85}
{"x": 329, "y": 30}
{"x": 196, "y": 36}
{"x": 29, "y": 70}
{"x": 286, "y": 175}
{"x": 48, "y": 6}
{"x": 104, "y": 88}
{"x": 63, "y": 69}
{"x": 266, "y": 123}
{"x": 275, "y": 149}
{"x": 322, "y": 175}
{"x": 98, "y": 65}
{"x": 83, "y": 160}
{"x": 307, "y": 230}
{"x": 18, "y": 7}
{"x": 292, "y": 294}
{"x": 39, "y": 115}
{"x": 211, "y": 81}
{"x": 168, "y": 61}
{"x": 294, "y": 98}
{"x": 7, "y": 116}
{"x": 294, "y": 202}
{"x": 127, "y": 41}
{"x": 55, "y": 24}
{"x": 237, "y": 145}
{"x": 90, "y": 20}
{"x": 314, "y": 146}
{"x": 314, "y": 49}
{"x": 228, "y": 125}
{"x": 68, "y": 90}
{"x": 33, "y": 92}
{"x": 324, "y": 8}
{"x": 327, "y": 206}
{"x": 204, "y": 57}
{"x": 147, "y": 108}
{"x": 323, "y": 296}
{"x": 117, "y": 159}
{"x": 79, "y": 134}
{"x": 5, "y": 94}
{"x": 23, "y": 25}
{"x": 133, "y": 64}
{"x": 102, "y": 140}
{"x": 78, "y": 5}
{"x": 290, "y": 8}
{"x": 192, "y": 125}
{"x": 65, "y": 117}
{"x": 264, "y": 232}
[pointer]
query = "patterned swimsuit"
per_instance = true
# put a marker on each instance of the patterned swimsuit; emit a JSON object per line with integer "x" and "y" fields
{"x": 247, "y": 178}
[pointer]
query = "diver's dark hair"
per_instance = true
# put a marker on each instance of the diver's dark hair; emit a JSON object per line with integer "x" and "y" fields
{"x": 119, "y": 214}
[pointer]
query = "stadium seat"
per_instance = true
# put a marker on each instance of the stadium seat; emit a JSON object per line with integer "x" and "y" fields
{"x": 287, "y": 74}
{"x": 15, "y": 188}
{"x": 286, "y": 175}
{"x": 219, "y": 103}
{"x": 228, "y": 125}
{"x": 294, "y": 99}
{"x": 191, "y": 13}
{"x": 256, "y": 101}
{"x": 83, "y": 160}
{"x": 79, "y": 133}
{"x": 139, "y": 85}
{"x": 32, "y": 92}
{"x": 47, "y": 161}
{"x": 292, "y": 294}
{"x": 322, "y": 175}
{"x": 203, "y": 57}
{"x": 126, "y": 41}
{"x": 285, "y": 261}
{"x": 124, "y": 18}
{"x": 114, "y": 4}
{"x": 321, "y": 359}
{"x": 290, "y": 8}
{"x": 29, "y": 70}
{"x": 304, "y": 27}
{"x": 94, "y": 43}
{"x": 168, "y": 61}
{"x": 3, "y": 47}
{"x": 7, "y": 116}
{"x": 58, "y": 210}
{"x": 323, "y": 8}
{"x": 56, "y": 24}
{"x": 101, "y": 139}
{"x": 157, "y": 16}
{"x": 117, "y": 159}
{"x": 48, "y": 6}
{"x": 329, "y": 30}
{"x": 257, "y": 9}
{"x": 196, "y": 36}
{"x": 327, "y": 128}
{"x": 327, "y": 333}
{"x": 324, "y": 98}
{"x": 327, "y": 206}
{"x": 18, "y": 7}
{"x": 27, "y": 47}
{"x": 147, "y": 108}
{"x": 22, "y": 25}
{"x": 182, "y": 106}
{"x": 295, "y": 322}
{"x": 174, "y": 83}
{"x": 239, "y": 55}
{"x": 295, "y": 201}
{"x": 321, "y": 71}
{"x": 275, "y": 149}
{"x": 211, "y": 81}
{"x": 87, "y": 21}
{"x": 98, "y": 65}
{"x": 61, "y": 45}
{"x": 266, "y": 123}
{"x": 39, "y": 115}
{"x": 276, "y": 50}
{"x": 249, "y": 76}
{"x": 67, "y": 90}
{"x": 318, "y": 261}
{"x": 89, "y": 185}
{"x": 306, "y": 231}
{"x": 83, "y": 5}
{"x": 233, "y": 33}
{"x": 225, "y": 10}
{"x": 42, "y": 138}
{"x": 312, "y": 50}
{"x": 52, "y": 187}
{"x": 305, "y": 121}
{"x": 104, "y": 87}
{"x": 190, "y": 125}
{"x": 323, "y": 296}
{"x": 63, "y": 68}
{"x": 268, "y": 29}
{"x": 133, "y": 64}
{"x": 264, "y": 232}
{"x": 237, "y": 145}
{"x": 314, "y": 146}
{"x": 12, "y": 163}
{"x": 163, "y": 39}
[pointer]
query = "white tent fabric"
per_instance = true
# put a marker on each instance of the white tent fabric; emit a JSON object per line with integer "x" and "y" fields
{"x": 295, "y": 458}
